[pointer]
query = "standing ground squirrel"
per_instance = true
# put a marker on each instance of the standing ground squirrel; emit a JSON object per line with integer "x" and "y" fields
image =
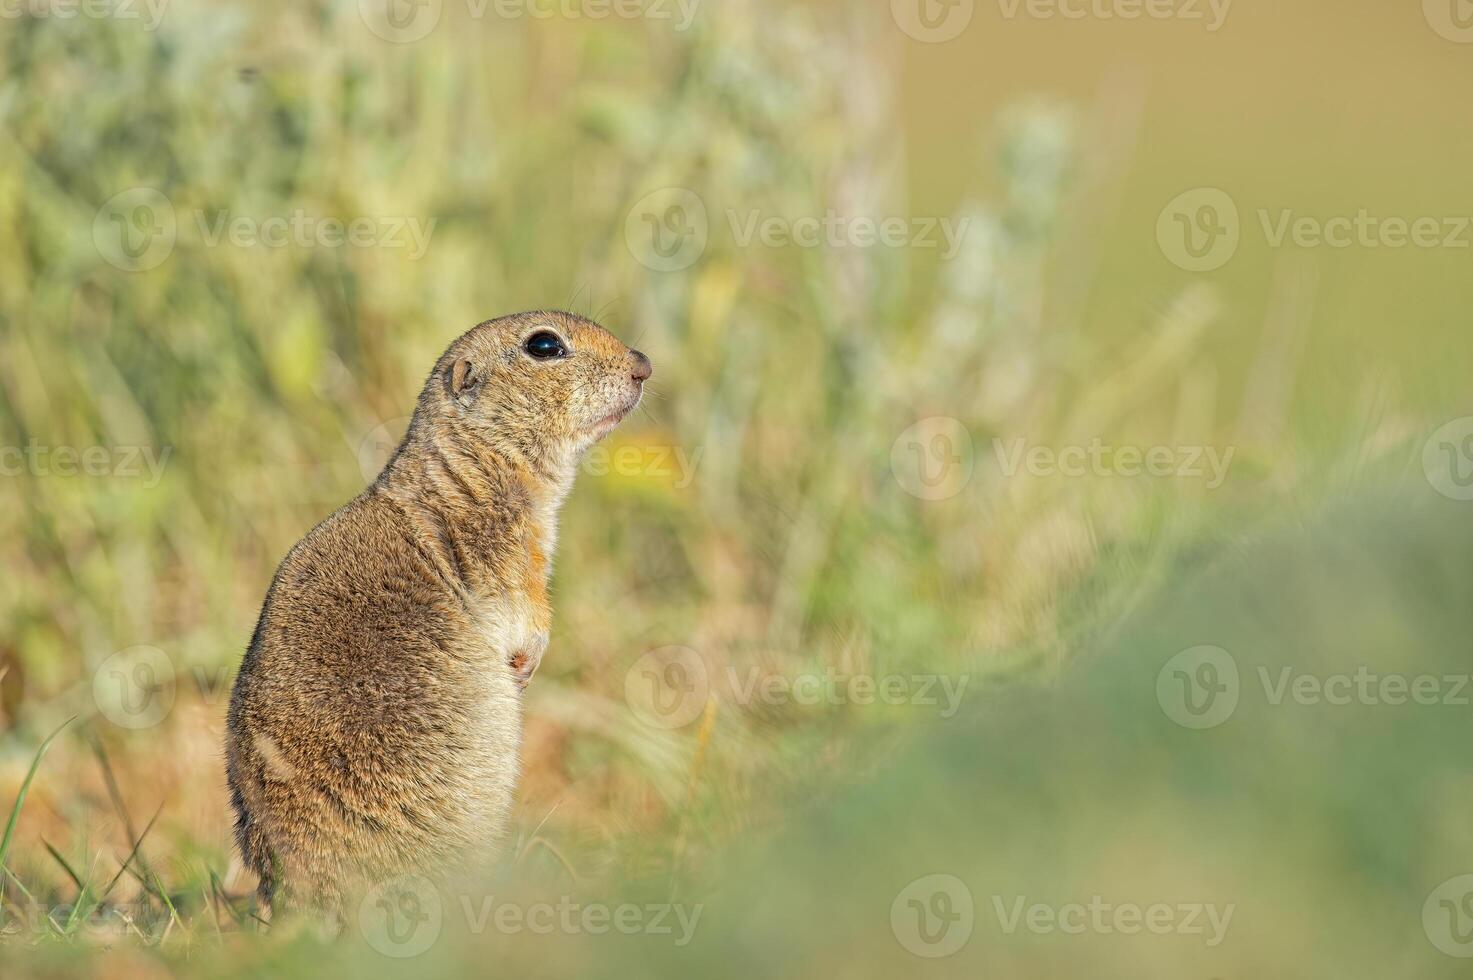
{"x": 375, "y": 726}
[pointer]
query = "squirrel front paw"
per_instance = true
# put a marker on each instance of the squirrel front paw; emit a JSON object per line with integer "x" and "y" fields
{"x": 524, "y": 662}
{"x": 523, "y": 666}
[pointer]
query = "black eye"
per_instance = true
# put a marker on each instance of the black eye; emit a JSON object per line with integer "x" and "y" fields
{"x": 544, "y": 344}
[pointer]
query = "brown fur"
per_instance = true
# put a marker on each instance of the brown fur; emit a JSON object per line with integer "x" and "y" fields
{"x": 375, "y": 726}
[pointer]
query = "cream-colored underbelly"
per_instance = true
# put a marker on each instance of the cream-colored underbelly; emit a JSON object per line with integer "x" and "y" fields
{"x": 492, "y": 766}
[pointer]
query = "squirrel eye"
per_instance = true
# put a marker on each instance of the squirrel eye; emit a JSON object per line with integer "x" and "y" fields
{"x": 544, "y": 344}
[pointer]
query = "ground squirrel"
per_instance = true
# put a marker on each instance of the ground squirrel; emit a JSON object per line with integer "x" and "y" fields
{"x": 375, "y": 726}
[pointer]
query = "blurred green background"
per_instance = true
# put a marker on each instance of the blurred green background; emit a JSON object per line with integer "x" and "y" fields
{"x": 234, "y": 237}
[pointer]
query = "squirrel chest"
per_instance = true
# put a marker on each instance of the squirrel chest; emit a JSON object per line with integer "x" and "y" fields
{"x": 514, "y": 622}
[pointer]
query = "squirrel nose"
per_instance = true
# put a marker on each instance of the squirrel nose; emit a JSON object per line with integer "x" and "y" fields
{"x": 642, "y": 367}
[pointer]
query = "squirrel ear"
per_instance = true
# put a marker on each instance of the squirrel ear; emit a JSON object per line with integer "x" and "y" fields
{"x": 464, "y": 380}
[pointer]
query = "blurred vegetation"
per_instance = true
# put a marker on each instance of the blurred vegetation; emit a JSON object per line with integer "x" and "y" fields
{"x": 770, "y": 523}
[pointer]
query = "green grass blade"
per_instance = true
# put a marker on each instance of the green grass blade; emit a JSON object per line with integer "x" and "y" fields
{"x": 25, "y": 787}
{"x": 218, "y": 888}
{"x": 127, "y": 863}
{"x": 65, "y": 865}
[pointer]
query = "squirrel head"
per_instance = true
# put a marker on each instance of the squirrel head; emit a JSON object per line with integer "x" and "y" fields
{"x": 541, "y": 387}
